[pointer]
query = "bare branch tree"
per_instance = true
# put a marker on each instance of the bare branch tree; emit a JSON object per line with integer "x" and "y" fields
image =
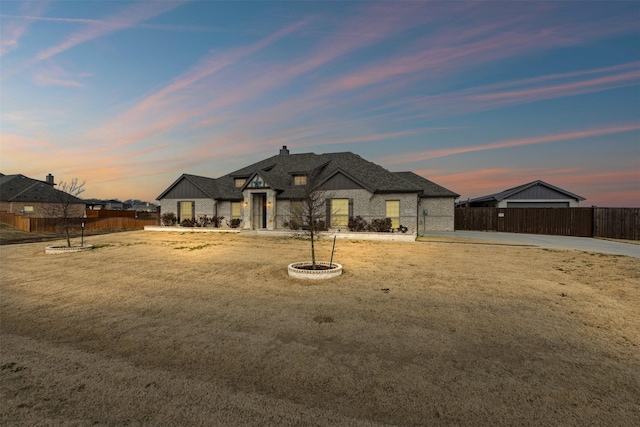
{"x": 62, "y": 206}
{"x": 314, "y": 211}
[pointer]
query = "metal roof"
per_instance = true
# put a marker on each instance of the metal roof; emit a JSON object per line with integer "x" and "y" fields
{"x": 515, "y": 190}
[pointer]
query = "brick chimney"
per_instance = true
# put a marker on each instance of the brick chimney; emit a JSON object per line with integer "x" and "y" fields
{"x": 50, "y": 180}
{"x": 284, "y": 151}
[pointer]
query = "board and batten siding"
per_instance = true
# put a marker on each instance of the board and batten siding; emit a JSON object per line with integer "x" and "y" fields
{"x": 538, "y": 196}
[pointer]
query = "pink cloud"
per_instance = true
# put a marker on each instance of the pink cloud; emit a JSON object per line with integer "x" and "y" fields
{"x": 11, "y": 32}
{"x": 443, "y": 152}
{"x": 167, "y": 108}
{"x": 603, "y": 83}
{"x": 54, "y": 75}
{"x": 129, "y": 16}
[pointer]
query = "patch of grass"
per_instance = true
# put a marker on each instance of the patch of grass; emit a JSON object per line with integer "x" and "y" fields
{"x": 193, "y": 248}
{"x": 323, "y": 319}
{"x": 105, "y": 245}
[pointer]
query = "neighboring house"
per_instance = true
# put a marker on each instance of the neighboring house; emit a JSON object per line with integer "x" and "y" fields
{"x": 39, "y": 199}
{"x": 267, "y": 194}
{"x": 536, "y": 194}
{"x": 113, "y": 205}
{"x": 144, "y": 207}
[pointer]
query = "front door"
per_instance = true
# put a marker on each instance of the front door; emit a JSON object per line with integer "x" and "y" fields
{"x": 259, "y": 214}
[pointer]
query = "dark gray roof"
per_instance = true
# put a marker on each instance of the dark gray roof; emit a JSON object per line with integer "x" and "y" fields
{"x": 429, "y": 188}
{"x": 515, "y": 190}
{"x": 19, "y": 188}
{"x": 278, "y": 170}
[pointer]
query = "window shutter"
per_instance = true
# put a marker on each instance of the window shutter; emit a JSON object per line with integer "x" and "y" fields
{"x": 179, "y": 213}
{"x": 193, "y": 210}
{"x": 350, "y": 208}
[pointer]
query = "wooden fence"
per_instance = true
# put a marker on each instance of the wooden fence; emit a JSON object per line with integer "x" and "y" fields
{"x": 16, "y": 221}
{"x": 44, "y": 225}
{"x": 617, "y": 223}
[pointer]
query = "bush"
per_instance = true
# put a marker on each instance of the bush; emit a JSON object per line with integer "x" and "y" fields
{"x": 203, "y": 221}
{"x": 169, "y": 218}
{"x": 380, "y": 225}
{"x": 188, "y": 222}
{"x": 358, "y": 223}
{"x": 320, "y": 225}
{"x": 235, "y": 222}
{"x": 216, "y": 220}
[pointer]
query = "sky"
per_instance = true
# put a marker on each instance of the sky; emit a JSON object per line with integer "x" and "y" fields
{"x": 476, "y": 96}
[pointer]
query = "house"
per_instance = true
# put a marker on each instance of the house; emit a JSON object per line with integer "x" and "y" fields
{"x": 143, "y": 207}
{"x": 267, "y": 194}
{"x": 536, "y": 194}
{"x": 26, "y": 196}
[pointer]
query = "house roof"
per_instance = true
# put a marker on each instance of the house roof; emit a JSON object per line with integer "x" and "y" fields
{"x": 278, "y": 171}
{"x": 204, "y": 184}
{"x": 515, "y": 190}
{"x": 19, "y": 188}
{"x": 429, "y": 188}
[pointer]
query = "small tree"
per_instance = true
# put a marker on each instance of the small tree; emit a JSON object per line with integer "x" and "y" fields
{"x": 62, "y": 205}
{"x": 314, "y": 211}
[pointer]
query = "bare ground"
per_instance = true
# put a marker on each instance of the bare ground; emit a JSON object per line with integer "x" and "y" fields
{"x": 208, "y": 329}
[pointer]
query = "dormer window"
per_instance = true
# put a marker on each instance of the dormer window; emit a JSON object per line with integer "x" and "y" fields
{"x": 240, "y": 182}
{"x": 300, "y": 180}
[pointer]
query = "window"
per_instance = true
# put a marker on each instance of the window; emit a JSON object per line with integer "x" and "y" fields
{"x": 28, "y": 209}
{"x": 339, "y": 212}
{"x": 185, "y": 210}
{"x": 296, "y": 215}
{"x": 393, "y": 212}
{"x": 236, "y": 210}
{"x": 300, "y": 180}
{"x": 240, "y": 182}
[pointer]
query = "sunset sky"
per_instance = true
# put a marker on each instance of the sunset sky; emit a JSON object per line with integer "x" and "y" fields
{"x": 475, "y": 96}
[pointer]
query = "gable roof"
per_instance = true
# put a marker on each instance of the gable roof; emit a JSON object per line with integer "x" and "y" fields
{"x": 278, "y": 172}
{"x": 429, "y": 188}
{"x": 20, "y": 188}
{"x": 207, "y": 185}
{"x": 515, "y": 190}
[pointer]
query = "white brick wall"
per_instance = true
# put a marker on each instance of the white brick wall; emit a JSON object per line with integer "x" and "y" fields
{"x": 202, "y": 206}
{"x": 369, "y": 206}
{"x": 440, "y": 216}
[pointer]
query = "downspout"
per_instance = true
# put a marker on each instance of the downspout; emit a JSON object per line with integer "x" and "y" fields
{"x": 418, "y": 215}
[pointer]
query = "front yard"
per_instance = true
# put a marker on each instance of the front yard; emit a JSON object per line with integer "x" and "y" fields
{"x": 191, "y": 329}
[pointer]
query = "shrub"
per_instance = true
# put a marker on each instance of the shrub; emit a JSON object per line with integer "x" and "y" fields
{"x": 203, "y": 221}
{"x": 169, "y": 218}
{"x": 216, "y": 220}
{"x": 320, "y": 225}
{"x": 357, "y": 224}
{"x": 380, "y": 225}
{"x": 188, "y": 222}
{"x": 235, "y": 222}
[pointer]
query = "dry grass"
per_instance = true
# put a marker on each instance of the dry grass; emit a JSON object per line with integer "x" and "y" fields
{"x": 192, "y": 329}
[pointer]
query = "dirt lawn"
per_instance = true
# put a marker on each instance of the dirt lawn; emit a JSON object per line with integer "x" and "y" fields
{"x": 154, "y": 328}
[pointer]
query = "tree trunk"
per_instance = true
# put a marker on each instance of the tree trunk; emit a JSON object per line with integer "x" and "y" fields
{"x": 313, "y": 252}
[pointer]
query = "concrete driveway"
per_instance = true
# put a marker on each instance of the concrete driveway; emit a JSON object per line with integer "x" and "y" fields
{"x": 587, "y": 244}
